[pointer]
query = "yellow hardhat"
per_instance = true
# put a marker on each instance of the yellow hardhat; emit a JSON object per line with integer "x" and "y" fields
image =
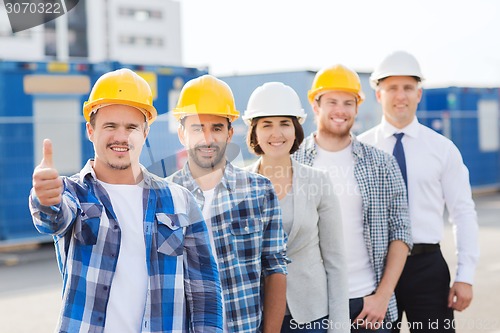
{"x": 206, "y": 95}
{"x": 122, "y": 86}
{"x": 336, "y": 77}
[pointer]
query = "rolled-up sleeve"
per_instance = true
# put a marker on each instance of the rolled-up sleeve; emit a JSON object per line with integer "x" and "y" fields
{"x": 399, "y": 218}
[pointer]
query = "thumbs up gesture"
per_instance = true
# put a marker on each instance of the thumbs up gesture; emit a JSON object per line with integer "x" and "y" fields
{"x": 47, "y": 184}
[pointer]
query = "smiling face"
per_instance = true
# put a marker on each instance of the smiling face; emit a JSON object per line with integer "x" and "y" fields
{"x": 118, "y": 133}
{"x": 335, "y": 113}
{"x": 275, "y": 135}
{"x": 399, "y": 97}
{"x": 205, "y": 137}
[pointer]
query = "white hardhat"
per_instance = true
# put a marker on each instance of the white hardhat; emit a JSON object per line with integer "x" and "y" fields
{"x": 399, "y": 63}
{"x": 274, "y": 99}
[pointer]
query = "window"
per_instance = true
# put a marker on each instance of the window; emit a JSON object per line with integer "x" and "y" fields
{"x": 488, "y": 122}
{"x": 77, "y": 33}
{"x": 140, "y": 14}
{"x": 141, "y": 41}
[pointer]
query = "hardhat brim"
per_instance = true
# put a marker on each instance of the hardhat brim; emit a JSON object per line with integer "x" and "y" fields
{"x": 314, "y": 95}
{"x": 248, "y": 119}
{"x": 180, "y": 113}
{"x": 149, "y": 111}
{"x": 374, "y": 80}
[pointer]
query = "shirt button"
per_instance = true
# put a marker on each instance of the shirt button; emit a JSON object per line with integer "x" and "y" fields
{"x": 115, "y": 226}
{"x": 246, "y": 228}
{"x": 105, "y": 287}
{"x": 100, "y": 318}
{"x": 82, "y": 214}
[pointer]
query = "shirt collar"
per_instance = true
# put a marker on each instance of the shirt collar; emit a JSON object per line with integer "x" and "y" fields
{"x": 228, "y": 178}
{"x": 411, "y": 130}
{"x": 88, "y": 172}
{"x": 310, "y": 144}
{"x": 357, "y": 148}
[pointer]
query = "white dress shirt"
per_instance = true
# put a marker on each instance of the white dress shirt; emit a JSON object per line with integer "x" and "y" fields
{"x": 437, "y": 177}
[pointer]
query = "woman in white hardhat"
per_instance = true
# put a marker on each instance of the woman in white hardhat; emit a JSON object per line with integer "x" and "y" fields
{"x": 317, "y": 276}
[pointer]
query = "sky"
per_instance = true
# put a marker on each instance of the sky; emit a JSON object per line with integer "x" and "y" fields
{"x": 457, "y": 42}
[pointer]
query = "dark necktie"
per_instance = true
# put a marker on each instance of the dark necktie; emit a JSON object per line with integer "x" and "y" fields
{"x": 399, "y": 153}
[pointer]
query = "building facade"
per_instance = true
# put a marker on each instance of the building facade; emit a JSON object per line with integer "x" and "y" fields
{"x": 141, "y": 32}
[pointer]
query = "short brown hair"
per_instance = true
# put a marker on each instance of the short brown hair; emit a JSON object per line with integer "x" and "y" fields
{"x": 253, "y": 145}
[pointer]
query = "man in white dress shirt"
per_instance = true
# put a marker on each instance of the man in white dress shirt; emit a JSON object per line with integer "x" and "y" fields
{"x": 436, "y": 178}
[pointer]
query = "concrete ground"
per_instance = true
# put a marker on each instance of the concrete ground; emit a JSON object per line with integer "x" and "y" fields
{"x": 30, "y": 284}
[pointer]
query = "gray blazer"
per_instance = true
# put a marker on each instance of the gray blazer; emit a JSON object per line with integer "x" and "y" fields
{"x": 317, "y": 276}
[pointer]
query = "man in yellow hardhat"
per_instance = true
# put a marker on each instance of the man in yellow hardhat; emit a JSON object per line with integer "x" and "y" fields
{"x": 241, "y": 210}
{"x": 133, "y": 250}
{"x": 372, "y": 196}
{"x": 436, "y": 178}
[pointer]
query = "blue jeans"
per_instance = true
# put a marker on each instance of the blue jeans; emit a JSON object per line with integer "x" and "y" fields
{"x": 316, "y": 326}
{"x": 355, "y": 307}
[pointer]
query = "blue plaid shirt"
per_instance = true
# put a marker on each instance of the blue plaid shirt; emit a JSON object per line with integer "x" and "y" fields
{"x": 249, "y": 240}
{"x": 183, "y": 286}
{"x": 385, "y": 207}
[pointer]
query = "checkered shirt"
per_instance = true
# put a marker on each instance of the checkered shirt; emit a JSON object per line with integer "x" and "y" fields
{"x": 249, "y": 240}
{"x": 385, "y": 206}
{"x": 183, "y": 286}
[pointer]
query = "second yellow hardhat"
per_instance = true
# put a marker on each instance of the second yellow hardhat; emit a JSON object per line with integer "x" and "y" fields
{"x": 206, "y": 95}
{"x": 337, "y": 77}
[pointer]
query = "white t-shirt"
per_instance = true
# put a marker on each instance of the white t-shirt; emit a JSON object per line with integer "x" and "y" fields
{"x": 207, "y": 215}
{"x": 340, "y": 167}
{"x": 128, "y": 292}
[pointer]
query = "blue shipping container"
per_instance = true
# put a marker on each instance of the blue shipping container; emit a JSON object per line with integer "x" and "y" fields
{"x": 44, "y": 99}
{"x": 470, "y": 118}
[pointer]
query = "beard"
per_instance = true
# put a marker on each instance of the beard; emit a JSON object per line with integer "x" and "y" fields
{"x": 119, "y": 166}
{"x": 337, "y": 133}
{"x": 125, "y": 164}
{"x": 208, "y": 163}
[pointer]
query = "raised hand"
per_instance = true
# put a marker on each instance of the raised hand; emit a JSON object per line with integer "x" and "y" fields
{"x": 47, "y": 184}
